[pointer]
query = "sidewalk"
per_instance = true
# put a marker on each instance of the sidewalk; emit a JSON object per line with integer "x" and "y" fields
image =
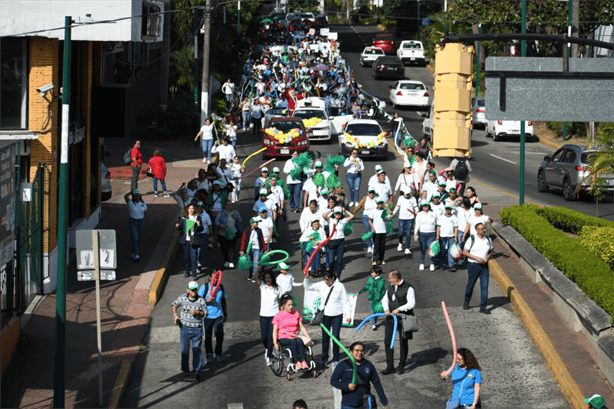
{"x": 125, "y": 313}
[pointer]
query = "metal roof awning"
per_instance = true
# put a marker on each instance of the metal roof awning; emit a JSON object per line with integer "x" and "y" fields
{"x": 17, "y": 135}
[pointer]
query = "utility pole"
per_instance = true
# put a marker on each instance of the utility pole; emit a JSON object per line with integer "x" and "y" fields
{"x": 224, "y": 34}
{"x": 445, "y": 14}
{"x": 196, "y": 29}
{"x": 59, "y": 372}
{"x": 575, "y": 25}
{"x": 568, "y": 51}
{"x": 204, "y": 92}
{"x": 347, "y": 12}
{"x": 523, "y": 53}
{"x": 239, "y": 18}
{"x": 477, "y": 71}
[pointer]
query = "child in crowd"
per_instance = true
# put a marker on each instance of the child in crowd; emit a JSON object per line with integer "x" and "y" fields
{"x": 376, "y": 286}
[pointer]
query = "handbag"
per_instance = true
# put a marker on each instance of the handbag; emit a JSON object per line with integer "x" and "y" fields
{"x": 455, "y": 404}
{"x": 148, "y": 172}
{"x": 368, "y": 400}
{"x": 306, "y": 341}
{"x": 195, "y": 241}
{"x": 318, "y": 318}
{"x": 410, "y": 323}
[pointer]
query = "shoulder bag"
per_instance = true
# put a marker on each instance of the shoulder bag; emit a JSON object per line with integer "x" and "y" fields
{"x": 368, "y": 399}
{"x": 318, "y": 318}
{"x": 455, "y": 404}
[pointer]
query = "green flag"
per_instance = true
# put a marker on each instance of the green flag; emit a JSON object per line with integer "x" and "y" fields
{"x": 188, "y": 225}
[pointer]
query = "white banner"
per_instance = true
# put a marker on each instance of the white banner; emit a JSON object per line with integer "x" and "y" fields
{"x": 312, "y": 302}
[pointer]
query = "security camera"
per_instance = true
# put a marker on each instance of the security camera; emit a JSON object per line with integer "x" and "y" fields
{"x": 44, "y": 89}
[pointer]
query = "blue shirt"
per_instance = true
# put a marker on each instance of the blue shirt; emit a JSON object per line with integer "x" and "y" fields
{"x": 214, "y": 308}
{"x": 465, "y": 379}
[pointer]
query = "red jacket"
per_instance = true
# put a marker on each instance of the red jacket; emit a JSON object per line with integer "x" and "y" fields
{"x": 136, "y": 155}
{"x": 158, "y": 167}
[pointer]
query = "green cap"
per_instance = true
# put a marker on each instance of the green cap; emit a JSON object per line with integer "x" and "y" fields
{"x": 595, "y": 401}
{"x": 282, "y": 266}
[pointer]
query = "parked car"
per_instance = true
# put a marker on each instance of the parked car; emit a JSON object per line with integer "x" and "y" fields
{"x": 499, "y": 129}
{"x": 320, "y": 132}
{"x": 411, "y": 51}
{"x": 385, "y": 42}
{"x": 567, "y": 169}
{"x": 106, "y": 191}
{"x": 274, "y": 113}
{"x": 389, "y": 67}
{"x": 370, "y": 54}
{"x": 276, "y": 148}
{"x": 307, "y": 16}
{"x": 427, "y": 122}
{"x": 367, "y": 131}
{"x": 409, "y": 93}
{"x": 479, "y": 111}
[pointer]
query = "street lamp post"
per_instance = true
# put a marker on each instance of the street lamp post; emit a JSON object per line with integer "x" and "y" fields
{"x": 523, "y": 53}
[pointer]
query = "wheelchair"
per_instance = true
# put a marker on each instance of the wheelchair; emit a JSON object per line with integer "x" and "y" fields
{"x": 313, "y": 273}
{"x": 283, "y": 361}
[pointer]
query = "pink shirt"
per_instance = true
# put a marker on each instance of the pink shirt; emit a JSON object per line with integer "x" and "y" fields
{"x": 288, "y": 323}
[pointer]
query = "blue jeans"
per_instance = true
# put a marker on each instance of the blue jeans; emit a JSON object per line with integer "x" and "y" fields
{"x": 207, "y": 146}
{"x": 266, "y": 332}
{"x": 229, "y": 99}
{"x": 475, "y": 271}
{"x": 406, "y": 226}
{"x": 136, "y": 229}
{"x": 190, "y": 258}
{"x": 461, "y": 244}
{"x": 426, "y": 239}
{"x": 336, "y": 256}
{"x": 204, "y": 240}
{"x": 398, "y": 137}
{"x": 246, "y": 119}
{"x": 316, "y": 259}
{"x": 334, "y": 323}
{"x": 354, "y": 180}
{"x": 195, "y": 337}
{"x": 373, "y": 320}
{"x": 296, "y": 346}
{"x": 295, "y": 195}
{"x": 254, "y": 256}
{"x": 365, "y": 222}
{"x": 234, "y": 144}
{"x": 162, "y": 182}
{"x": 446, "y": 243}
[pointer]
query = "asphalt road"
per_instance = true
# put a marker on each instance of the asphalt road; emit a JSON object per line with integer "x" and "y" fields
{"x": 514, "y": 371}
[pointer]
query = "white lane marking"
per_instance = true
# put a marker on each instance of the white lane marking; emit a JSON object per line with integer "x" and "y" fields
{"x": 420, "y": 113}
{"x": 235, "y": 406}
{"x": 363, "y": 41}
{"x": 499, "y": 157}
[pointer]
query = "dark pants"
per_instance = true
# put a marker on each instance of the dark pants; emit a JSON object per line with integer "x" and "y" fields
{"x": 296, "y": 346}
{"x": 403, "y": 342}
{"x": 214, "y": 325}
{"x": 136, "y": 230}
{"x": 228, "y": 248}
{"x": 461, "y": 190}
{"x": 266, "y": 332}
{"x": 194, "y": 336}
{"x": 379, "y": 246}
{"x": 476, "y": 271}
{"x": 134, "y": 181}
{"x": 335, "y": 256}
{"x": 190, "y": 258}
{"x": 333, "y": 324}
{"x": 295, "y": 195}
{"x": 257, "y": 125}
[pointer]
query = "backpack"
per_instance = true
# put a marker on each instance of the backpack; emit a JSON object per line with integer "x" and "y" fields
{"x": 461, "y": 171}
{"x": 472, "y": 238}
{"x": 128, "y": 157}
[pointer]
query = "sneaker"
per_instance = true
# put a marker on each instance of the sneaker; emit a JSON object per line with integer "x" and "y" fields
{"x": 132, "y": 256}
{"x": 484, "y": 311}
{"x": 266, "y": 358}
{"x": 155, "y": 194}
{"x": 351, "y": 204}
{"x": 421, "y": 267}
{"x": 226, "y": 264}
{"x": 432, "y": 267}
{"x": 465, "y": 305}
{"x": 220, "y": 357}
{"x": 335, "y": 363}
{"x": 209, "y": 358}
{"x": 373, "y": 327}
{"x": 453, "y": 269}
{"x": 374, "y": 263}
{"x": 230, "y": 265}
{"x": 400, "y": 247}
{"x": 407, "y": 251}
{"x": 166, "y": 194}
{"x": 248, "y": 279}
{"x": 383, "y": 262}
{"x": 186, "y": 373}
{"x": 187, "y": 274}
{"x": 204, "y": 160}
{"x": 252, "y": 280}
{"x": 197, "y": 376}
{"x": 370, "y": 250}
{"x": 210, "y": 246}
{"x": 136, "y": 257}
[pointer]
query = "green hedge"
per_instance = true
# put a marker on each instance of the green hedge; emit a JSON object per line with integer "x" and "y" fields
{"x": 599, "y": 240}
{"x": 592, "y": 274}
{"x": 569, "y": 220}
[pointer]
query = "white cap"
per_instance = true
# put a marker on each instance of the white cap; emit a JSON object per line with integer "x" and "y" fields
{"x": 263, "y": 191}
{"x": 276, "y": 170}
{"x": 378, "y": 167}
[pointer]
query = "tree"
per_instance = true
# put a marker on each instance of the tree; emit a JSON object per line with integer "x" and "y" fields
{"x": 601, "y": 162}
{"x": 183, "y": 62}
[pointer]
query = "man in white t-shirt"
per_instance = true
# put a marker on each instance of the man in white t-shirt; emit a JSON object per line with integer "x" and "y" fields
{"x": 382, "y": 187}
{"x": 225, "y": 150}
{"x": 478, "y": 250}
{"x": 266, "y": 225}
{"x": 447, "y": 232}
{"x": 378, "y": 218}
{"x": 265, "y": 201}
{"x": 375, "y": 178}
{"x": 228, "y": 89}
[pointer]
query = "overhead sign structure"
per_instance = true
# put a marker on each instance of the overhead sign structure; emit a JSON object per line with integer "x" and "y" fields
{"x": 86, "y": 256}
{"x": 549, "y": 89}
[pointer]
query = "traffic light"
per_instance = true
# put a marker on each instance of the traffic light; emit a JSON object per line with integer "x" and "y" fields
{"x": 452, "y": 100}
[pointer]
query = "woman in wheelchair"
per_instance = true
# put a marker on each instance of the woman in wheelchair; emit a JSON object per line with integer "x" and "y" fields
{"x": 310, "y": 235}
{"x": 286, "y": 325}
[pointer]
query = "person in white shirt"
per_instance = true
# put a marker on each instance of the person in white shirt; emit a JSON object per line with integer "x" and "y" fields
{"x": 336, "y": 305}
{"x": 353, "y": 175}
{"x": 436, "y": 205}
{"x": 309, "y": 235}
{"x": 478, "y": 217}
{"x": 309, "y": 214}
{"x": 270, "y": 293}
{"x": 375, "y": 178}
{"x": 478, "y": 249}
{"x": 294, "y": 185}
{"x": 425, "y": 230}
{"x": 225, "y": 174}
{"x": 378, "y": 218}
{"x": 207, "y": 139}
{"x": 225, "y": 150}
{"x": 336, "y": 245}
{"x": 138, "y": 213}
{"x": 447, "y": 232}
{"x": 278, "y": 193}
{"x": 367, "y": 203}
{"x": 323, "y": 200}
{"x": 231, "y": 133}
{"x": 266, "y": 225}
{"x": 237, "y": 169}
{"x": 407, "y": 208}
{"x": 228, "y": 88}
{"x": 405, "y": 180}
{"x": 285, "y": 279}
{"x": 430, "y": 186}
{"x": 266, "y": 202}
{"x": 382, "y": 187}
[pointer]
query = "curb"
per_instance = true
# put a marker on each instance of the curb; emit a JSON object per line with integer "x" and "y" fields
{"x": 162, "y": 275}
{"x": 549, "y": 144}
{"x": 120, "y": 383}
{"x": 543, "y": 343}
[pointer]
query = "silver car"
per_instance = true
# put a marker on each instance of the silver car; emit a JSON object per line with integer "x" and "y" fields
{"x": 106, "y": 191}
{"x": 567, "y": 169}
{"x": 479, "y": 111}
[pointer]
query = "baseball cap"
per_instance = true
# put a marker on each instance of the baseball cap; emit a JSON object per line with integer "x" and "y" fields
{"x": 199, "y": 204}
{"x": 442, "y": 183}
{"x": 477, "y": 206}
{"x": 324, "y": 191}
{"x": 452, "y": 189}
{"x": 379, "y": 200}
{"x": 263, "y": 192}
{"x": 448, "y": 206}
{"x": 380, "y": 171}
{"x": 276, "y": 170}
{"x": 378, "y": 167}
{"x": 436, "y": 194}
{"x": 265, "y": 169}
{"x": 254, "y": 220}
{"x": 262, "y": 209}
{"x": 425, "y": 203}
{"x": 314, "y": 220}
{"x": 338, "y": 209}
{"x": 282, "y": 266}
{"x": 595, "y": 401}
{"x": 193, "y": 285}
{"x": 371, "y": 190}
{"x": 318, "y": 164}
{"x": 136, "y": 192}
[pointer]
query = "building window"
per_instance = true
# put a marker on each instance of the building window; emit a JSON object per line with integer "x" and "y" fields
{"x": 13, "y": 83}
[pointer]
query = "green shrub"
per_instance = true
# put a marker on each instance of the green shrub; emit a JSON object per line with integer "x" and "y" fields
{"x": 599, "y": 240}
{"x": 569, "y": 220}
{"x": 589, "y": 272}
{"x": 577, "y": 129}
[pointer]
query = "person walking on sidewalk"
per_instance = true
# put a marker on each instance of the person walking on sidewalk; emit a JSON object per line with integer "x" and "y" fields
{"x": 206, "y": 131}
{"x": 193, "y": 310}
{"x": 478, "y": 250}
{"x": 467, "y": 380}
{"x": 425, "y": 230}
{"x": 377, "y": 220}
{"x": 224, "y": 150}
{"x": 270, "y": 294}
{"x": 254, "y": 236}
{"x": 228, "y": 223}
{"x": 138, "y": 213}
{"x": 353, "y": 175}
{"x": 216, "y": 317}
{"x": 294, "y": 185}
{"x": 158, "y": 171}
{"x": 189, "y": 225}
{"x": 137, "y": 163}
{"x": 228, "y": 88}
{"x": 376, "y": 286}
{"x": 407, "y": 207}
{"x": 447, "y": 234}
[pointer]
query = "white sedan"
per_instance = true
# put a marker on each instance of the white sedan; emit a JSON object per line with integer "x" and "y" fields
{"x": 369, "y": 55}
{"x": 409, "y": 93}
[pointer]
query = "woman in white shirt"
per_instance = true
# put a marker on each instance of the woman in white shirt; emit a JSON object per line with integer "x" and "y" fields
{"x": 407, "y": 207}
{"x": 190, "y": 224}
{"x": 336, "y": 245}
{"x": 367, "y": 203}
{"x": 478, "y": 217}
{"x": 270, "y": 293}
{"x": 426, "y": 231}
{"x": 231, "y": 133}
{"x": 405, "y": 180}
{"x": 206, "y": 131}
{"x": 294, "y": 185}
{"x": 236, "y": 170}
{"x": 309, "y": 235}
{"x": 353, "y": 174}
